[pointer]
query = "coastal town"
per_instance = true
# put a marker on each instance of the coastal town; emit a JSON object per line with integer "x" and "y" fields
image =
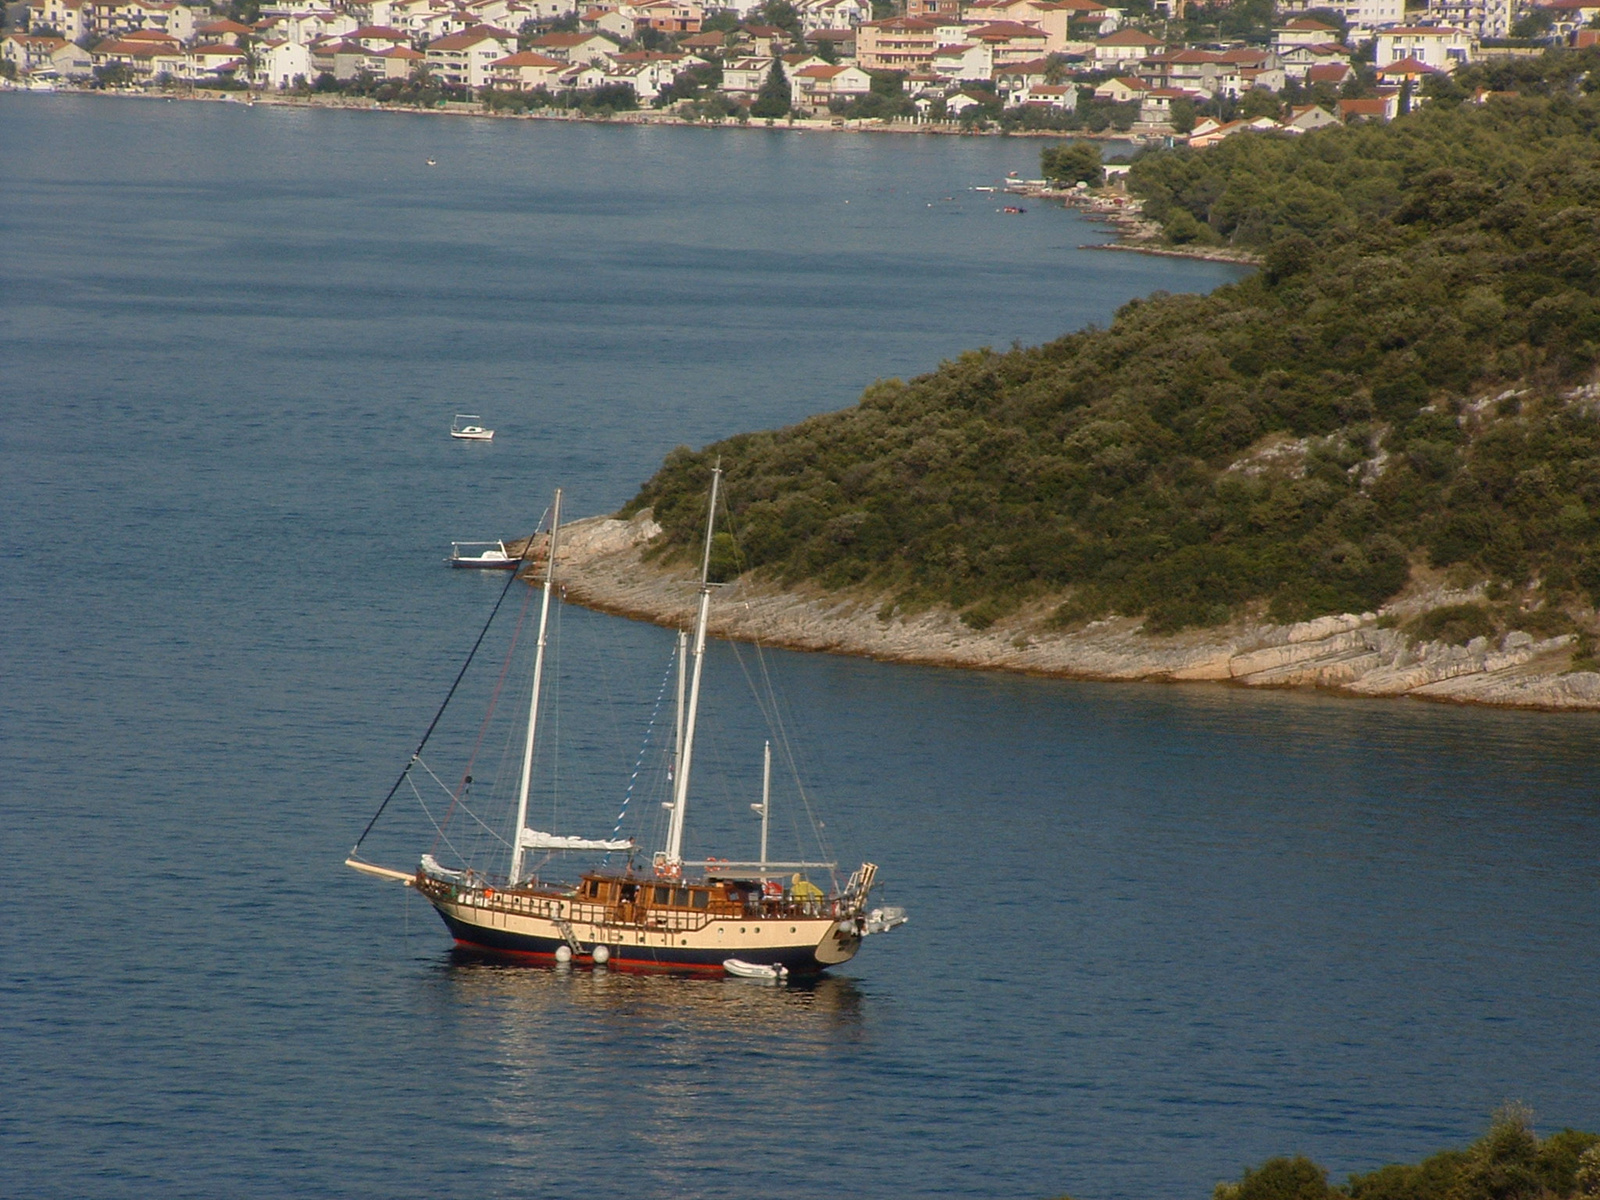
{"x": 1151, "y": 70}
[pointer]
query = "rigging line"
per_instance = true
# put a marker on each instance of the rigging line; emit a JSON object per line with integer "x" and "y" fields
{"x": 443, "y": 787}
{"x": 643, "y": 748}
{"x": 772, "y": 713}
{"x": 462, "y": 674}
{"x": 423, "y": 805}
{"x": 766, "y": 698}
{"x": 494, "y": 699}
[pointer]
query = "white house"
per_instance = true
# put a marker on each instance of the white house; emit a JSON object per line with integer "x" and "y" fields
{"x": 1121, "y": 89}
{"x": 833, "y": 14}
{"x": 811, "y": 88}
{"x": 31, "y": 54}
{"x": 527, "y": 71}
{"x": 69, "y": 18}
{"x": 279, "y": 63}
{"x": 1486, "y": 18}
{"x": 1303, "y": 31}
{"x": 1362, "y": 16}
{"x": 575, "y": 47}
{"x": 1123, "y": 47}
{"x": 969, "y": 62}
{"x": 742, "y": 78}
{"x": 465, "y": 59}
{"x": 1062, "y": 97}
{"x": 1436, "y": 46}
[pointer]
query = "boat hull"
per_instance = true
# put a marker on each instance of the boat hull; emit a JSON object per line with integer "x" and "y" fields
{"x": 804, "y": 945}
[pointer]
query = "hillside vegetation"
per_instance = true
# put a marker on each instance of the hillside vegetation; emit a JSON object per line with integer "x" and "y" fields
{"x": 1405, "y": 383}
{"x": 1510, "y": 1162}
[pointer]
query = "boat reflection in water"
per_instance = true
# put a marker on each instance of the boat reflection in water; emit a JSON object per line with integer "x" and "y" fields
{"x": 678, "y": 1076}
{"x": 717, "y": 1003}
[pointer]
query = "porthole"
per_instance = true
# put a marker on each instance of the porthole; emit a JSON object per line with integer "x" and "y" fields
{"x": 791, "y": 929}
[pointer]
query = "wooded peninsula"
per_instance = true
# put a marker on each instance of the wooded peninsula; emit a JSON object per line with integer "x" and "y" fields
{"x": 1373, "y": 464}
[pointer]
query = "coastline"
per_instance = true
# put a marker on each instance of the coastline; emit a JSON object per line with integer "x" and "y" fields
{"x": 625, "y": 117}
{"x": 604, "y": 567}
{"x": 1133, "y": 233}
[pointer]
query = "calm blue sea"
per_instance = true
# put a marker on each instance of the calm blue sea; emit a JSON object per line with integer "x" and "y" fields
{"x": 1158, "y": 933}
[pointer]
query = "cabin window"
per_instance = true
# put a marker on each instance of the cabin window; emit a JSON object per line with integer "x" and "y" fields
{"x": 700, "y": 897}
{"x": 663, "y": 895}
{"x": 629, "y": 891}
{"x": 680, "y": 897}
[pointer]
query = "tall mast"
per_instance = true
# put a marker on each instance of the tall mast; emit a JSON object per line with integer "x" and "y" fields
{"x": 680, "y": 803}
{"x": 765, "y": 807}
{"x": 683, "y": 676}
{"x": 515, "y": 876}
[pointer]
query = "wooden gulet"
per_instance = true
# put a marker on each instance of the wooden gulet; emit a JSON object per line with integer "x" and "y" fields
{"x": 680, "y": 915}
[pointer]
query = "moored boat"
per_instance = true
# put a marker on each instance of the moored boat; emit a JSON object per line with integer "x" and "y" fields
{"x": 664, "y": 913}
{"x": 466, "y": 428}
{"x": 491, "y": 556}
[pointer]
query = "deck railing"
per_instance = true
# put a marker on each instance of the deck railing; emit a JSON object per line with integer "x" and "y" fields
{"x": 674, "y": 920}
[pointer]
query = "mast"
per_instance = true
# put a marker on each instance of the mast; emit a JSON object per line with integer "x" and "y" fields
{"x": 680, "y": 803}
{"x": 765, "y": 807}
{"x": 515, "y": 875}
{"x": 683, "y": 675}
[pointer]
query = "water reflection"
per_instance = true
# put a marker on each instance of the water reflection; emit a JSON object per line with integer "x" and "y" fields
{"x": 717, "y": 1003}
{"x": 688, "y": 1077}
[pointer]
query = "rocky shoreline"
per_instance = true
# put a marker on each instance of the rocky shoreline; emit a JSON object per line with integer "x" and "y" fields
{"x": 603, "y": 567}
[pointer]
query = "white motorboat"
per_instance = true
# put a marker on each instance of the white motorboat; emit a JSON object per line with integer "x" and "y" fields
{"x": 749, "y": 970}
{"x": 491, "y": 556}
{"x": 466, "y": 428}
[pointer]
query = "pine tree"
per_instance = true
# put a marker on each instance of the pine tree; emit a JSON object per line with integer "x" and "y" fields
{"x": 773, "y": 99}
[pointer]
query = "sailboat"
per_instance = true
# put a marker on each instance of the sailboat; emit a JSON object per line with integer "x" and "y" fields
{"x": 754, "y": 918}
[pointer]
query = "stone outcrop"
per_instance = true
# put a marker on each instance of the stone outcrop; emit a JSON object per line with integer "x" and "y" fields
{"x": 604, "y": 566}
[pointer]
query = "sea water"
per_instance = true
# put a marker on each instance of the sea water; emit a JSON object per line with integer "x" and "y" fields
{"x": 1157, "y": 933}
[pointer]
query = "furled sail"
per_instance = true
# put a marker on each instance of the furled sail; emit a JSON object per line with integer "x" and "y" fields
{"x": 534, "y": 839}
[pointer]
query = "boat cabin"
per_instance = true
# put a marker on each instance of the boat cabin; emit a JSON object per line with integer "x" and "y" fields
{"x": 638, "y": 899}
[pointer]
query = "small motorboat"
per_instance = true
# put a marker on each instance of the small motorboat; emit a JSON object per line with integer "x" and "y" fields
{"x": 750, "y": 970}
{"x": 1013, "y": 209}
{"x": 465, "y": 428}
{"x": 491, "y": 557}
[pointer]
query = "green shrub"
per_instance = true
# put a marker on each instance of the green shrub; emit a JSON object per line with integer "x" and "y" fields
{"x": 1296, "y": 1178}
{"x": 1454, "y": 624}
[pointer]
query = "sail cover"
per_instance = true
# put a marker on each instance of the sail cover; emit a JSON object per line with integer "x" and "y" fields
{"x": 534, "y": 839}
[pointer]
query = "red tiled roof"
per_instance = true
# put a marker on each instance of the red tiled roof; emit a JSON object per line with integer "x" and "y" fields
{"x": 1407, "y": 66}
{"x": 470, "y": 38}
{"x": 1129, "y": 37}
